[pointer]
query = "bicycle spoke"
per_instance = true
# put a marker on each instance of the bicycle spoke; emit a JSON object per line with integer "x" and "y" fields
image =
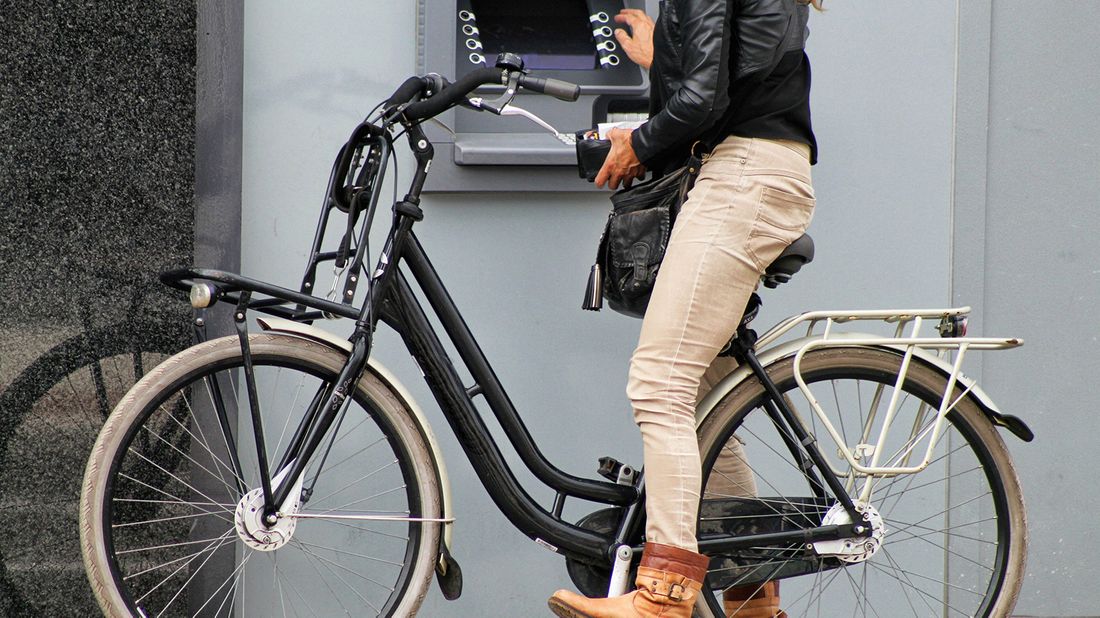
{"x": 346, "y": 570}
{"x": 124, "y": 552}
{"x": 293, "y": 406}
{"x": 229, "y": 594}
{"x": 176, "y": 498}
{"x": 858, "y": 592}
{"x": 173, "y": 529}
{"x": 210, "y": 548}
{"x": 947, "y": 529}
{"x": 206, "y": 444}
{"x": 354, "y": 482}
{"x": 337, "y": 522}
{"x": 361, "y": 500}
{"x": 937, "y": 481}
{"x": 942, "y": 524}
{"x": 227, "y": 507}
{"x": 772, "y": 487}
{"x": 221, "y": 478}
{"x": 839, "y": 410}
{"x": 924, "y": 593}
{"x": 217, "y": 403}
{"x": 209, "y": 450}
{"x": 290, "y": 584}
{"x": 351, "y": 553}
{"x": 176, "y": 478}
{"x": 937, "y": 581}
{"x": 234, "y": 576}
{"x": 169, "y": 563}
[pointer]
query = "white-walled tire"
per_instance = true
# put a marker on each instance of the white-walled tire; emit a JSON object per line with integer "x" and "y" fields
{"x": 157, "y": 522}
{"x": 956, "y": 533}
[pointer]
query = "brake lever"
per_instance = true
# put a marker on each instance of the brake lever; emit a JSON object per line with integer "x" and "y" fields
{"x": 495, "y": 106}
{"x": 568, "y": 139}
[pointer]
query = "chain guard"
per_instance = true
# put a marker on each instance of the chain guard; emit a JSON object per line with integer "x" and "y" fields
{"x": 762, "y": 515}
{"x": 727, "y": 516}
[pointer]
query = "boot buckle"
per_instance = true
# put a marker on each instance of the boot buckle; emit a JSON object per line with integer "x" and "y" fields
{"x": 672, "y": 591}
{"x": 676, "y": 592}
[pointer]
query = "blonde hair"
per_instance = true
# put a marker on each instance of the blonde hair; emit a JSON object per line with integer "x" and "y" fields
{"x": 816, "y": 3}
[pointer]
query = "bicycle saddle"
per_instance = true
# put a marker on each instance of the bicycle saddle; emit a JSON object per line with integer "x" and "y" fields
{"x": 799, "y": 253}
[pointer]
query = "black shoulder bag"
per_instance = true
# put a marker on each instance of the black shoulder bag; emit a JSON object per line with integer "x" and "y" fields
{"x": 635, "y": 238}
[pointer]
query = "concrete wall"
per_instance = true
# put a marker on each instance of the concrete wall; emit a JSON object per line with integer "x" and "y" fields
{"x": 97, "y": 155}
{"x": 1041, "y": 279}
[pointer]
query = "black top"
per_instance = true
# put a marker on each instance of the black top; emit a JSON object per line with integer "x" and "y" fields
{"x": 720, "y": 68}
{"x": 776, "y": 108}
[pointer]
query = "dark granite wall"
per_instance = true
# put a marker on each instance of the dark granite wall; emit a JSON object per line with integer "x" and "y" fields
{"x": 97, "y": 149}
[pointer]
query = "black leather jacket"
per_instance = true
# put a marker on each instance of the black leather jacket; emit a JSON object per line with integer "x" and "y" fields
{"x": 701, "y": 47}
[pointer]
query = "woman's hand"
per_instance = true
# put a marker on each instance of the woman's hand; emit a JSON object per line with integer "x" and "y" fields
{"x": 638, "y": 47}
{"x": 621, "y": 165}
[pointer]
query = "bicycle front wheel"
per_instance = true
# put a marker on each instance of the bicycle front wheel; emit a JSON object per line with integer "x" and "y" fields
{"x": 954, "y": 534}
{"x": 169, "y": 488}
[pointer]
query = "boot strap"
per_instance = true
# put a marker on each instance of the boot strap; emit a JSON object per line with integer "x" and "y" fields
{"x": 673, "y": 591}
{"x": 658, "y": 584}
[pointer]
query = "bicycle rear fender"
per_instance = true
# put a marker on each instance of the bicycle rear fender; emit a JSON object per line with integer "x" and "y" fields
{"x": 790, "y": 348}
{"x": 312, "y": 333}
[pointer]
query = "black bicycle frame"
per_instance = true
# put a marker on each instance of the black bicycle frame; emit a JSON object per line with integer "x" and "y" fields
{"x": 392, "y": 300}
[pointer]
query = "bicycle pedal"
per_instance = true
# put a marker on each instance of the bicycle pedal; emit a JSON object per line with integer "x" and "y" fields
{"x": 616, "y": 471}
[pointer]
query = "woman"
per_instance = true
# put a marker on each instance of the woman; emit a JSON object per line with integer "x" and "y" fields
{"x": 735, "y": 73}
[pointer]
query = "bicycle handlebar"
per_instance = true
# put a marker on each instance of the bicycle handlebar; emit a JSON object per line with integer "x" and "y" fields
{"x": 405, "y": 92}
{"x": 451, "y": 93}
{"x": 554, "y": 87}
{"x": 448, "y": 94}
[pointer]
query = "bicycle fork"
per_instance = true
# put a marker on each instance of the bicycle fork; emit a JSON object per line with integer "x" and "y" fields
{"x": 326, "y": 408}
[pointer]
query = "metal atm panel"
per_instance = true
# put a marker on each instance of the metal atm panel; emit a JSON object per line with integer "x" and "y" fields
{"x": 571, "y": 40}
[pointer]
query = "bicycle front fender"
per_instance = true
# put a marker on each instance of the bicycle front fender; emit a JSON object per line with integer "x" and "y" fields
{"x": 312, "y": 333}
{"x": 788, "y": 349}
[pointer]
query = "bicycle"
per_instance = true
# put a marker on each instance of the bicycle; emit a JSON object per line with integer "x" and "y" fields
{"x": 286, "y": 472}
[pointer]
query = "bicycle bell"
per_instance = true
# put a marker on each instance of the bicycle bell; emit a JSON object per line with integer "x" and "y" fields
{"x": 510, "y": 61}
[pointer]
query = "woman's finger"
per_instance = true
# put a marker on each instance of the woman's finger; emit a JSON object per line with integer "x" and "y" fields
{"x": 633, "y": 18}
{"x": 630, "y": 14}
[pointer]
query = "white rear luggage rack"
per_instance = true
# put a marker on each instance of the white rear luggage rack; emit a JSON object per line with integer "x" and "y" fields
{"x": 907, "y": 338}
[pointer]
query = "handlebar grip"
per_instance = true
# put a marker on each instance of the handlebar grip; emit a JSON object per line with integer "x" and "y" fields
{"x": 452, "y": 94}
{"x": 554, "y": 87}
{"x": 406, "y": 91}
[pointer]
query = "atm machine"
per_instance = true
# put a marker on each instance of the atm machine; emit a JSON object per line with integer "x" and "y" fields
{"x": 570, "y": 40}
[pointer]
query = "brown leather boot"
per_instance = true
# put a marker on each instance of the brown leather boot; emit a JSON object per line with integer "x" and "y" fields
{"x": 669, "y": 579}
{"x": 753, "y": 601}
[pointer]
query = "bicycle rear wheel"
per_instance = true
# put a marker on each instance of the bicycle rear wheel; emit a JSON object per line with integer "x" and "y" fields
{"x": 955, "y": 533}
{"x": 164, "y": 504}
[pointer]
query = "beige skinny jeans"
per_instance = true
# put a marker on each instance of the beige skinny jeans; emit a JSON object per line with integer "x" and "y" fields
{"x": 753, "y": 197}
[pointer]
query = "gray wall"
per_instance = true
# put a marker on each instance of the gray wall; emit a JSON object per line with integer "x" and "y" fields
{"x": 1042, "y": 280}
{"x": 959, "y": 165}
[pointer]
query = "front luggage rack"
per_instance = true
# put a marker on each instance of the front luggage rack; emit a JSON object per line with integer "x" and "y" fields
{"x": 277, "y": 301}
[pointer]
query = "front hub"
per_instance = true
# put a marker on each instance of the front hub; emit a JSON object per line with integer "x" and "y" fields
{"x": 249, "y": 521}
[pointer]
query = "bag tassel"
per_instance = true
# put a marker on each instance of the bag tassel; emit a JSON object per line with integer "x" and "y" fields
{"x": 593, "y": 294}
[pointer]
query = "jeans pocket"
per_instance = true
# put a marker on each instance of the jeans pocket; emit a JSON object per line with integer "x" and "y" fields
{"x": 782, "y": 217}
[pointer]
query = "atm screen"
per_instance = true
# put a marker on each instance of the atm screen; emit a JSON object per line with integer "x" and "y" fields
{"x": 548, "y": 34}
